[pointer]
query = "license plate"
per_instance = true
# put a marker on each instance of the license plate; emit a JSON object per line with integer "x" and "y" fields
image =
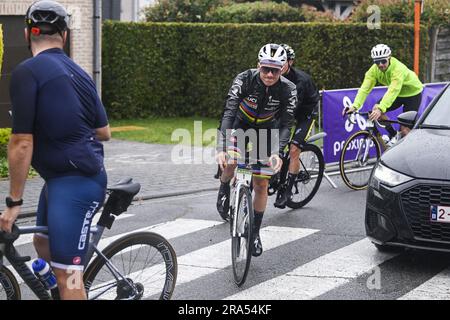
{"x": 440, "y": 214}
{"x": 244, "y": 175}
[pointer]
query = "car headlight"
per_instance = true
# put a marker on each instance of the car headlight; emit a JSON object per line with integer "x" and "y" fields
{"x": 389, "y": 177}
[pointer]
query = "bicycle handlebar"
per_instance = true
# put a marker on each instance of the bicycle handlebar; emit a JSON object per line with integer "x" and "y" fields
{"x": 367, "y": 114}
{"x": 6, "y": 237}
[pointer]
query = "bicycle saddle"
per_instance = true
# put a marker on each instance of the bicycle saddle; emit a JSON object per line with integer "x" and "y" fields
{"x": 127, "y": 186}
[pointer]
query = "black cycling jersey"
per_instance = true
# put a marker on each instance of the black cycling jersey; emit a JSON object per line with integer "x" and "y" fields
{"x": 251, "y": 102}
{"x": 307, "y": 93}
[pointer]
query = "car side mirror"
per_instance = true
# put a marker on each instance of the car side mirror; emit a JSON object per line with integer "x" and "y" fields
{"x": 407, "y": 119}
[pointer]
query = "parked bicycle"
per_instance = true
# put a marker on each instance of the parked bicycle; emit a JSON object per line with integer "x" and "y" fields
{"x": 308, "y": 181}
{"x": 361, "y": 151}
{"x": 136, "y": 266}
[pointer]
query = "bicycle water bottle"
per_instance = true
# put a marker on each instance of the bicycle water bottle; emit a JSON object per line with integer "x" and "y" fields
{"x": 43, "y": 271}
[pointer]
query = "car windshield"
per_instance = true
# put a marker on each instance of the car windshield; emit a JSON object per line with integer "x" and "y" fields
{"x": 439, "y": 116}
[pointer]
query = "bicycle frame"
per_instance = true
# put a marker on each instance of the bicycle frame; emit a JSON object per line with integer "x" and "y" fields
{"x": 18, "y": 263}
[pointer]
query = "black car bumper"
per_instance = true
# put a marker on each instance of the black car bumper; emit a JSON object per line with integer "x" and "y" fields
{"x": 400, "y": 216}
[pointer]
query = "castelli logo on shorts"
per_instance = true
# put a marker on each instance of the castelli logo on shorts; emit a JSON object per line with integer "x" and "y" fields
{"x": 86, "y": 225}
{"x": 76, "y": 260}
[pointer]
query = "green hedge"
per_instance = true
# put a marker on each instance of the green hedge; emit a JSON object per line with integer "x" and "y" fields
{"x": 185, "y": 69}
{"x": 4, "y": 139}
{"x": 1, "y": 48}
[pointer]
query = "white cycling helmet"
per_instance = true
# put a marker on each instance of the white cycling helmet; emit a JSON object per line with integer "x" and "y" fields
{"x": 272, "y": 55}
{"x": 380, "y": 51}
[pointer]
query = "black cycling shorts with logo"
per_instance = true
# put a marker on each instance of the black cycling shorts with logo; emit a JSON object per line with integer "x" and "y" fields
{"x": 302, "y": 131}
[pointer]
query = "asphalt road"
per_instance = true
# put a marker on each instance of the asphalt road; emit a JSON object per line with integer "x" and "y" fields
{"x": 317, "y": 252}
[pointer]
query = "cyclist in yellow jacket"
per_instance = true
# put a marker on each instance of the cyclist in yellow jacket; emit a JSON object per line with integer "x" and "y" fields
{"x": 404, "y": 87}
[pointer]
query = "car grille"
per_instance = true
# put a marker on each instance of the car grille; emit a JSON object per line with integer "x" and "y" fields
{"x": 416, "y": 205}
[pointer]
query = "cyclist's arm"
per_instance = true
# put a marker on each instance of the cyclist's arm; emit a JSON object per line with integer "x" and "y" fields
{"x": 234, "y": 97}
{"x": 23, "y": 93}
{"x": 314, "y": 98}
{"x": 102, "y": 129}
{"x": 20, "y": 152}
{"x": 287, "y": 119}
{"x": 369, "y": 82}
{"x": 392, "y": 93}
{"x": 103, "y": 134}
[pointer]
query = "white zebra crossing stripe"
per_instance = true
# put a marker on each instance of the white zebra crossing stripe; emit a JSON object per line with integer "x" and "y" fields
{"x": 208, "y": 260}
{"x": 437, "y": 288}
{"x": 320, "y": 275}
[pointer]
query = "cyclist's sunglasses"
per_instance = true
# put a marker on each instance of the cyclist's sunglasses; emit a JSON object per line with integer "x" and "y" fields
{"x": 382, "y": 61}
{"x": 274, "y": 71}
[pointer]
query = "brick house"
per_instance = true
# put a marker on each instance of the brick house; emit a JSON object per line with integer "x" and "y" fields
{"x": 81, "y": 46}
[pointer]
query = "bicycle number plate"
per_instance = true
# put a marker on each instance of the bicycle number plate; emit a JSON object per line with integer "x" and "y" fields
{"x": 244, "y": 175}
{"x": 440, "y": 214}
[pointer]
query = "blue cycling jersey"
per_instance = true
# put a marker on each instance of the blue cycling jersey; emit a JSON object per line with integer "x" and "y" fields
{"x": 56, "y": 101}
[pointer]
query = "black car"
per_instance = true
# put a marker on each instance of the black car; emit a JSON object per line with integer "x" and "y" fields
{"x": 408, "y": 199}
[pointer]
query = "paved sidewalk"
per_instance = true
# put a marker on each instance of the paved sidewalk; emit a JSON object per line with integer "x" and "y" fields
{"x": 149, "y": 164}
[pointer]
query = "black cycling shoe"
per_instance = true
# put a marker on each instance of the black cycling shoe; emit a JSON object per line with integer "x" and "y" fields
{"x": 257, "y": 248}
{"x": 282, "y": 198}
{"x": 223, "y": 201}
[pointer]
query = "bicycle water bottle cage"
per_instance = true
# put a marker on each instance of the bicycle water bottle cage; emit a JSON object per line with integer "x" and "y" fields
{"x": 121, "y": 196}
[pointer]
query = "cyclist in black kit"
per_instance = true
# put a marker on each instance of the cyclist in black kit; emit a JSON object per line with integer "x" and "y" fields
{"x": 308, "y": 100}
{"x": 258, "y": 99}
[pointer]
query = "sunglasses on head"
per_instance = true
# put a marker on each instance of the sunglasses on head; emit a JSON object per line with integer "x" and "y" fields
{"x": 382, "y": 61}
{"x": 274, "y": 71}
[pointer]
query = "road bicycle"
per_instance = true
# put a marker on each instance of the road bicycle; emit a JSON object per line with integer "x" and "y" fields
{"x": 136, "y": 266}
{"x": 361, "y": 151}
{"x": 241, "y": 219}
{"x": 307, "y": 183}
{"x": 241, "y": 222}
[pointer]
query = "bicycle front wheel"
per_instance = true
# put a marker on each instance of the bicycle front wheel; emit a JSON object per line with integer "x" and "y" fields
{"x": 141, "y": 265}
{"x": 309, "y": 178}
{"x": 241, "y": 253}
{"x": 360, "y": 152}
{"x": 9, "y": 287}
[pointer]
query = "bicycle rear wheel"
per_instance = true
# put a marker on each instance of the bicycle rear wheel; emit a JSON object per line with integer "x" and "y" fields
{"x": 360, "y": 152}
{"x": 241, "y": 253}
{"x": 147, "y": 263}
{"x": 308, "y": 181}
{"x": 9, "y": 287}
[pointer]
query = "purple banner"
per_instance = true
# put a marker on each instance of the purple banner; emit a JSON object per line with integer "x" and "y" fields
{"x": 338, "y": 129}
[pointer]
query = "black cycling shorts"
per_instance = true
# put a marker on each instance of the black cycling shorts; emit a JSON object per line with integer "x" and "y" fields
{"x": 408, "y": 103}
{"x": 302, "y": 131}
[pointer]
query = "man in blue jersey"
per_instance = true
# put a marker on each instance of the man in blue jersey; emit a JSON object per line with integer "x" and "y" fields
{"x": 58, "y": 123}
